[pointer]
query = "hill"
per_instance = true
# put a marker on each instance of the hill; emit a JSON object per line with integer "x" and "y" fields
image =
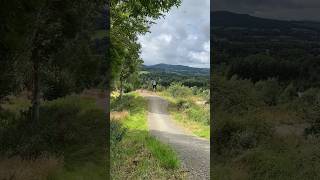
{"x": 230, "y": 19}
{"x": 177, "y": 69}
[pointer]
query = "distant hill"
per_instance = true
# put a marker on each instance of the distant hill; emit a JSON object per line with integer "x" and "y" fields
{"x": 177, "y": 69}
{"x": 230, "y": 19}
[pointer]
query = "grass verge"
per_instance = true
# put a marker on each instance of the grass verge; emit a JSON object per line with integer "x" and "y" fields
{"x": 190, "y": 115}
{"x": 67, "y": 143}
{"x": 135, "y": 153}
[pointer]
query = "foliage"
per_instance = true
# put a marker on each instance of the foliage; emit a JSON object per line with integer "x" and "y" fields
{"x": 134, "y": 152}
{"x": 268, "y": 91}
{"x": 176, "y": 89}
{"x": 128, "y": 20}
{"x": 67, "y": 123}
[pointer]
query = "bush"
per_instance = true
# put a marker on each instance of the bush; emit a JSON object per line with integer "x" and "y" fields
{"x": 289, "y": 94}
{"x": 128, "y": 87}
{"x": 57, "y": 87}
{"x": 269, "y": 91}
{"x": 117, "y": 132}
{"x": 234, "y": 95}
{"x": 199, "y": 115}
{"x": 178, "y": 90}
{"x": 183, "y": 104}
{"x": 235, "y": 134}
{"x": 66, "y": 123}
{"x": 313, "y": 116}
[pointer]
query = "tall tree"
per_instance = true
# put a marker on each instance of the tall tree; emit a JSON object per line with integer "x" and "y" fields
{"x": 129, "y": 19}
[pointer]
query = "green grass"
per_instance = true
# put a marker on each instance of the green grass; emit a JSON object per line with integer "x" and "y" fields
{"x": 196, "y": 128}
{"x": 194, "y": 117}
{"x": 71, "y": 129}
{"x": 139, "y": 155}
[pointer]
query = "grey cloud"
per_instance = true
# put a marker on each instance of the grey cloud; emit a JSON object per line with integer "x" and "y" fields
{"x": 188, "y": 28}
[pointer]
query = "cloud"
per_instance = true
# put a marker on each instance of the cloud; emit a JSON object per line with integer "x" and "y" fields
{"x": 181, "y": 37}
{"x": 275, "y": 9}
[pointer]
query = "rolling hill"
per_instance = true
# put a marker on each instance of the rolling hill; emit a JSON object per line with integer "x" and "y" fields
{"x": 177, "y": 69}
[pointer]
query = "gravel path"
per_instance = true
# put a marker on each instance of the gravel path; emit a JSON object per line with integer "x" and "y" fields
{"x": 193, "y": 151}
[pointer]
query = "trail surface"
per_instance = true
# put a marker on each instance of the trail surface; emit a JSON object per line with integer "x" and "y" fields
{"x": 194, "y": 152}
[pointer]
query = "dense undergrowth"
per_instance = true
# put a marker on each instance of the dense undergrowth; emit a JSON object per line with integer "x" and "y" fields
{"x": 135, "y": 154}
{"x": 69, "y": 139}
{"x": 189, "y": 107}
{"x": 264, "y": 130}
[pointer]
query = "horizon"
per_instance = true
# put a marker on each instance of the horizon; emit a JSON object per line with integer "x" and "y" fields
{"x": 176, "y": 65}
{"x": 291, "y": 10}
{"x": 268, "y": 18}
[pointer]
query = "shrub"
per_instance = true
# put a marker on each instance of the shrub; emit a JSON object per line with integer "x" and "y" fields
{"x": 128, "y": 87}
{"x": 313, "y": 116}
{"x": 234, "y": 134}
{"x": 66, "y": 123}
{"x": 183, "y": 104}
{"x": 117, "y": 132}
{"x": 56, "y": 87}
{"x": 289, "y": 94}
{"x": 199, "y": 115}
{"x": 178, "y": 90}
{"x": 234, "y": 95}
{"x": 269, "y": 91}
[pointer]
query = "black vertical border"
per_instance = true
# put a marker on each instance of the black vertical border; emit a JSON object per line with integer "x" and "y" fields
{"x": 212, "y": 120}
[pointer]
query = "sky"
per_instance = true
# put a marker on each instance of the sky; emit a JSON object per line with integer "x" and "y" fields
{"x": 274, "y": 9}
{"x": 181, "y": 37}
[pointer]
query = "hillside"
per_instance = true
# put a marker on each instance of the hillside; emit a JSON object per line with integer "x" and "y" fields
{"x": 230, "y": 19}
{"x": 234, "y": 27}
{"x": 177, "y": 69}
{"x": 258, "y": 48}
{"x": 166, "y": 74}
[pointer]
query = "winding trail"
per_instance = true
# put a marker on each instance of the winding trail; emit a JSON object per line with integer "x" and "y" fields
{"x": 194, "y": 152}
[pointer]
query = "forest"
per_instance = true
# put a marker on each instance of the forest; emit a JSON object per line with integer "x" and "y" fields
{"x": 59, "y": 62}
{"x": 265, "y": 91}
{"x": 52, "y": 53}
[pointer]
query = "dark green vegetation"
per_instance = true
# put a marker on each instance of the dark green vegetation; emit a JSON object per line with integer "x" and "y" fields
{"x": 190, "y": 108}
{"x": 266, "y": 98}
{"x": 135, "y": 153}
{"x": 71, "y": 132}
{"x": 51, "y": 49}
{"x": 129, "y": 19}
{"x": 186, "y": 89}
{"x": 48, "y": 51}
{"x": 257, "y": 49}
{"x": 166, "y": 74}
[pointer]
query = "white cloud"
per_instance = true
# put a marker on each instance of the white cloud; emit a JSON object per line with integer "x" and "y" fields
{"x": 206, "y": 46}
{"x": 182, "y": 37}
{"x": 165, "y": 37}
{"x": 203, "y": 56}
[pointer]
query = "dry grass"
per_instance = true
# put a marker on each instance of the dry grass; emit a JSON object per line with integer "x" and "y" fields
{"x": 16, "y": 168}
{"x": 116, "y": 115}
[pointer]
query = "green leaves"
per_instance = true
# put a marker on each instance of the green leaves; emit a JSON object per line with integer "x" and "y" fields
{"x": 129, "y": 19}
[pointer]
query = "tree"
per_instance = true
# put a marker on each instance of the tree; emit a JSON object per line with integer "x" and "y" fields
{"x": 129, "y": 19}
{"x": 35, "y": 33}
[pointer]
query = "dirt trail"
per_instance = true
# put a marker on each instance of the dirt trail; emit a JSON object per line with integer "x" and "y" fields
{"x": 193, "y": 151}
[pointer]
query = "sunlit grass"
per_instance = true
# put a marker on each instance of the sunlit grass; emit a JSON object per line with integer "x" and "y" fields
{"x": 192, "y": 118}
{"x": 139, "y": 155}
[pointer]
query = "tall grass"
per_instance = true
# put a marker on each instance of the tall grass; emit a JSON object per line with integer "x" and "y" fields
{"x": 71, "y": 128}
{"x": 186, "y": 110}
{"x": 251, "y": 135}
{"x": 135, "y": 153}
